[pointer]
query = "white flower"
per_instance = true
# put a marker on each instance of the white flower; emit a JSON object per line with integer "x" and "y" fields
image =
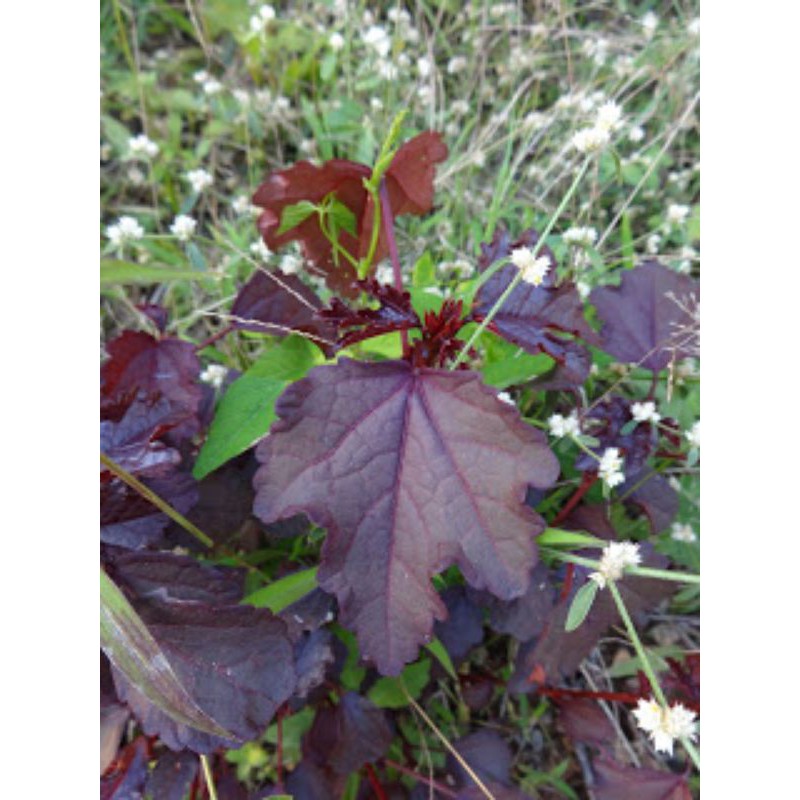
{"x": 214, "y": 374}
{"x": 457, "y": 64}
{"x": 653, "y": 243}
{"x": 683, "y": 532}
{"x": 564, "y": 426}
{"x": 645, "y": 412}
{"x": 610, "y": 469}
{"x": 282, "y": 104}
{"x": 459, "y": 107}
{"x": 616, "y": 557}
{"x": 183, "y": 227}
{"x": 665, "y": 725}
{"x": 376, "y": 37}
{"x": 582, "y": 237}
{"x": 242, "y": 205}
{"x": 424, "y": 67}
{"x": 290, "y": 264}
{"x": 590, "y": 140}
{"x": 388, "y": 70}
{"x": 199, "y": 179}
{"x": 376, "y": 104}
{"x": 141, "y": 145}
{"x": 242, "y": 97}
{"x": 636, "y": 134}
{"x": 260, "y": 250}
{"x": 506, "y": 398}
{"x": 694, "y": 27}
{"x": 125, "y": 229}
{"x": 649, "y": 23}
{"x": 583, "y": 289}
{"x": 609, "y": 116}
{"x": 384, "y": 274}
{"x": 336, "y": 41}
{"x": 693, "y": 435}
{"x": 677, "y": 213}
{"x": 261, "y": 19}
{"x": 212, "y": 86}
{"x": 533, "y": 269}
{"x": 201, "y": 76}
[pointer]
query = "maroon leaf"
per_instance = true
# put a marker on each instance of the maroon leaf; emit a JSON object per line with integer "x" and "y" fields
{"x": 617, "y": 782}
{"x": 682, "y": 682}
{"x": 535, "y": 317}
{"x": 113, "y": 719}
{"x": 490, "y": 757}
{"x": 140, "y": 365}
{"x": 584, "y": 721}
{"x": 463, "y": 628}
{"x": 409, "y": 181}
{"x": 410, "y": 470}
{"x": 652, "y": 493}
{"x": 172, "y": 776}
{"x": 279, "y": 304}
{"x": 557, "y": 653}
{"x": 345, "y": 736}
{"x": 235, "y": 661}
{"x": 125, "y": 779}
{"x": 312, "y": 782}
{"x": 313, "y": 656}
{"x": 649, "y": 318}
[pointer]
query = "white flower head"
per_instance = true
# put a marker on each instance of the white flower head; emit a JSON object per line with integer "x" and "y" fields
{"x": 124, "y": 230}
{"x": 584, "y": 290}
{"x": 212, "y": 86}
{"x": 610, "y": 469}
{"x": 201, "y": 76}
{"x": 142, "y": 147}
{"x": 649, "y": 23}
{"x": 609, "y": 116}
{"x": 581, "y": 237}
{"x": 290, "y": 264}
{"x": 683, "y": 532}
{"x": 694, "y": 27}
{"x": 533, "y": 269}
{"x": 616, "y": 557}
{"x": 199, "y": 179}
{"x": 336, "y": 41}
{"x": 376, "y": 104}
{"x": 653, "y": 243}
{"x": 260, "y": 250}
{"x": 378, "y": 39}
{"x": 645, "y": 412}
{"x": 183, "y": 227}
{"x": 384, "y": 273}
{"x": 665, "y": 725}
{"x": 506, "y": 398}
{"x": 242, "y": 205}
{"x": 459, "y": 107}
{"x": 636, "y": 134}
{"x": 457, "y": 64}
{"x": 677, "y": 213}
{"x": 214, "y": 375}
{"x": 591, "y": 140}
{"x": 564, "y": 426}
{"x": 424, "y": 66}
{"x": 262, "y": 18}
{"x": 693, "y": 435}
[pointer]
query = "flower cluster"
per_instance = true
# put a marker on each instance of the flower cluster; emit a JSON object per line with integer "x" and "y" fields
{"x": 142, "y": 147}
{"x": 610, "y": 469}
{"x": 564, "y": 426}
{"x": 199, "y": 179}
{"x": 214, "y": 375}
{"x": 125, "y": 229}
{"x": 533, "y": 268}
{"x": 607, "y": 120}
{"x": 665, "y": 725}
{"x": 693, "y": 435}
{"x": 581, "y": 237}
{"x": 683, "y": 532}
{"x": 616, "y": 557}
{"x": 645, "y": 412}
{"x": 183, "y": 227}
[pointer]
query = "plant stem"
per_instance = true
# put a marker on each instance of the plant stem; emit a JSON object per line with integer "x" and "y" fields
{"x": 645, "y": 662}
{"x": 212, "y": 790}
{"x": 518, "y": 277}
{"x": 641, "y": 572}
{"x": 443, "y": 739}
{"x": 160, "y": 504}
{"x": 388, "y": 229}
{"x": 589, "y": 480}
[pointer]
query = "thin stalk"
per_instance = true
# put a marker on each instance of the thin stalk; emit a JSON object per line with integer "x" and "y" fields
{"x": 160, "y": 504}
{"x": 641, "y": 572}
{"x": 518, "y": 277}
{"x": 212, "y": 790}
{"x": 645, "y": 662}
{"x": 388, "y": 229}
{"x": 443, "y": 739}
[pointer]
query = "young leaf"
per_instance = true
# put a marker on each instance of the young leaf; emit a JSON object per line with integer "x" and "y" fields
{"x": 283, "y": 592}
{"x": 410, "y": 470}
{"x": 293, "y": 215}
{"x": 114, "y": 272}
{"x": 581, "y": 605}
{"x": 388, "y": 692}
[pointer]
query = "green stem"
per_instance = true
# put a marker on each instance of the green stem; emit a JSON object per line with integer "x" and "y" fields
{"x": 212, "y": 790}
{"x": 518, "y": 277}
{"x": 364, "y": 266}
{"x": 648, "y": 670}
{"x": 642, "y": 572}
{"x": 160, "y": 504}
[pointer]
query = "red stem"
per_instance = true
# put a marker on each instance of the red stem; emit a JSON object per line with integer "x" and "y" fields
{"x": 215, "y": 337}
{"x": 388, "y": 230}
{"x": 441, "y": 788}
{"x": 372, "y": 777}
{"x": 589, "y": 479}
{"x": 620, "y": 697}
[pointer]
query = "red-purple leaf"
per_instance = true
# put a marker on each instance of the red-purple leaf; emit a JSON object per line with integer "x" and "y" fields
{"x": 126, "y": 777}
{"x": 409, "y": 181}
{"x": 410, "y": 470}
{"x": 279, "y": 304}
{"x": 649, "y": 318}
{"x": 463, "y": 628}
{"x": 490, "y": 757}
{"x": 172, "y": 776}
{"x": 617, "y": 782}
{"x": 584, "y": 721}
{"x": 652, "y": 493}
{"x": 345, "y": 736}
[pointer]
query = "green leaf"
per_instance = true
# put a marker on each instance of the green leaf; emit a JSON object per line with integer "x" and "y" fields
{"x": 515, "y": 370}
{"x": 388, "y": 692}
{"x": 342, "y": 217}
{"x": 131, "y": 648}
{"x": 655, "y": 656}
{"x": 285, "y": 591}
{"x": 327, "y": 67}
{"x": 626, "y": 237}
{"x": 115, "y": 272}
{"x": 247, "y": 408}
{"x": 437, "y": 650}
{"x": 293, "y": 215}
{"x": 555, "y": 537}
{"x": 581, "y": 605}
{"x": 424, "y": 273}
